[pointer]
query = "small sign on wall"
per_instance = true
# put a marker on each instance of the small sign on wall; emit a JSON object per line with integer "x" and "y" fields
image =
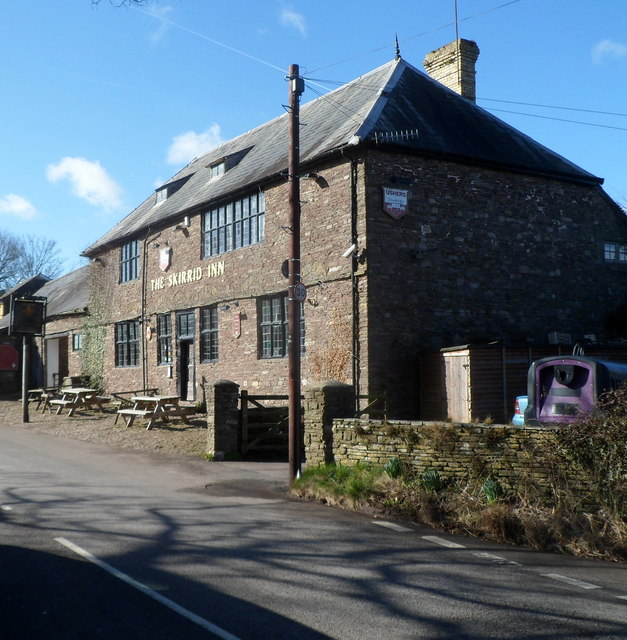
{"x": 395, "y": 202}
{"x": 237, "y": 325}
{"x": 165, "y": 258}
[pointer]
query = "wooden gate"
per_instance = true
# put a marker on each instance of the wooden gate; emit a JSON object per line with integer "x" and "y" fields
{"x": 264, "y": 430}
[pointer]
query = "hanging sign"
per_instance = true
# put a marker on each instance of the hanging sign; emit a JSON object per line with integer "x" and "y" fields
{"x": 395, "y": 202}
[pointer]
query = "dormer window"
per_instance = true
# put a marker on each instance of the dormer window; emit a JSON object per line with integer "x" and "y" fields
{"x": 220, "y": 166}
{"x": 217, "y": 169}
{"x": 169, "y": 189}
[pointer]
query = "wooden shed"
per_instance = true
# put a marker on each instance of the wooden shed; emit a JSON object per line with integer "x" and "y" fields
{"x": 469, "y": 383}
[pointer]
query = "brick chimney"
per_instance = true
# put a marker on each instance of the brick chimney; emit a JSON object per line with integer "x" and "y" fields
{"x": 454, "y": 66}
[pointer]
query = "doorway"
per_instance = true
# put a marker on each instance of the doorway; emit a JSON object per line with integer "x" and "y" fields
{"x": 56, "y": 361}
{"x": 186, "y": 361}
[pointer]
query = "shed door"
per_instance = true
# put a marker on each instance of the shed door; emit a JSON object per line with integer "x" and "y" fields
{"x": 457, "y": 375}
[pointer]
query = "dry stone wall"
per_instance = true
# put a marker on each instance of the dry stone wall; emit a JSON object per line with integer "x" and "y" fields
{"x": 459, "y": 452}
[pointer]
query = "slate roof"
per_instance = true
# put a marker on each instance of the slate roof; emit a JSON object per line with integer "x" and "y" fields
{"x": 26, "y": 287}
{"x": 68, "y": 293}
{"x": 394, "y": 97}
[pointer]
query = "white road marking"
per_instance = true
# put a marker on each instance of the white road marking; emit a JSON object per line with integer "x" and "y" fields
{"x": 495, "y": 558}
{"x": 391, "y": 525}
{"x": 572, "y": 581}
{"x": 6, "y": 507}
{"x": 622, "y": 597}
{"x": 444, "y": 543}
{"x": 205, "y": 624}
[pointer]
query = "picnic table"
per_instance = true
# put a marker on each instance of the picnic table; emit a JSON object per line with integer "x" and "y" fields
{"x": 35, "y": 395}
{"x": 74, "y": 398}
{"x": 42, "y": 397}
{"x": 154, "y": 408}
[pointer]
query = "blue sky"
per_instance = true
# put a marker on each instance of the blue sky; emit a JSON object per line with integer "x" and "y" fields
{"x": 102, "y": 104}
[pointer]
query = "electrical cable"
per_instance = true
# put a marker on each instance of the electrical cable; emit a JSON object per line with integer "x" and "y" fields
{"x": 418, "y": 35}
{"x": 534, "y": 115}
{"x": 550, "y": 106}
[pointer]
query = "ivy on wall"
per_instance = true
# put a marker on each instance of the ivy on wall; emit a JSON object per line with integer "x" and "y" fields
{"x": 95, "y": 332}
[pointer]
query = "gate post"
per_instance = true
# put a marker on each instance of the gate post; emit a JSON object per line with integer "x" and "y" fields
{"x": 222, "y": 418}
{"x": 323, "y": 403}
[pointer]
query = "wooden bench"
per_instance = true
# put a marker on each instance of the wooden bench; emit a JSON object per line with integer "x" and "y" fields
{"x": 180, "y": 411}
{"x": 61, "y": 403}
{"x": 129, "y": 415}
{"x": 119, "y": 399}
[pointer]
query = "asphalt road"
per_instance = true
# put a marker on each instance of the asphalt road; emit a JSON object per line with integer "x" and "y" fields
{"x": 97, "y": 542}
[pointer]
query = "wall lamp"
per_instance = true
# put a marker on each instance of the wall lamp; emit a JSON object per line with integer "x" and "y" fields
{"x": 183, "y": 225}
{"x": 226, "y": 307}
{"x": 317, "y": 178}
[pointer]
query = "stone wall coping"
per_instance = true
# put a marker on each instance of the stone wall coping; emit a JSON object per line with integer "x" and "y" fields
{"x": 368, "y": 424}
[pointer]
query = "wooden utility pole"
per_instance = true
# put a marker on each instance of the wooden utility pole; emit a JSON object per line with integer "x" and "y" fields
{"x": 25, "y": 375}
{"x": 296, "y": 88}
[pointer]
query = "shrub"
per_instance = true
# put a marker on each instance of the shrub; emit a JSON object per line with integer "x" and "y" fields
{"x": 431, "y": 480}
{"x": 394, "y": 468}
{"x": 597, "y": 445}
{"x": 492, "y": 490}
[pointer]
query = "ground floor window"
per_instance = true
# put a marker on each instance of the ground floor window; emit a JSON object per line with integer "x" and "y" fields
{"x": 127, "y": 344}
{"x": 209, "y": 334}
{"x": 164, "y": 338}
{"x": 77, "y": 341}
{"x": 273, "y": 327}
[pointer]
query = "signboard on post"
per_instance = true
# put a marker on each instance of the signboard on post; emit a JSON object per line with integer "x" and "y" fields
{"x": 27, "y": 319}
{"x": 27, "y": 316}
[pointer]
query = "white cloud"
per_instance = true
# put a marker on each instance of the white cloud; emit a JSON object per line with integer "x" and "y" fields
{"x": 15, "y": 205}
{"x": 187, "y": 146}
{"x": 89, "y": 181}
{"x": 608, "y": 50}
{"x": 161, "y": 14}
{"x": 289, "y": 18}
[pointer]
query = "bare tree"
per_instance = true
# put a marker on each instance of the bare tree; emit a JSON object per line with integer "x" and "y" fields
{"x": 9, "y": 254}
{"x": 121, "y": 3}
{"x": 38, "y": 255}
{"x": 23, "y": 257}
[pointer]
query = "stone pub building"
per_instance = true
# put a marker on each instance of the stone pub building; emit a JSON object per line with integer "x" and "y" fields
{"x": 426, "y": 223}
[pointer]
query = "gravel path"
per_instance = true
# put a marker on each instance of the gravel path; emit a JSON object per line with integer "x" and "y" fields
{"x": 172, "y": 437}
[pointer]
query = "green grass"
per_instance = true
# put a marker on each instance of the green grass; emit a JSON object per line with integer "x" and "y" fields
{"x": 338, "y": 484}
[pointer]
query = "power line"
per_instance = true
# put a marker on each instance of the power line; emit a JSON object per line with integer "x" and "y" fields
{"x": 550, "y": 106}
{"x": 204, "y": 37}
{"x": 351, "y": 115}
{"x": 312, "y": 81}
{"x": 534, "y": 115}
{"x": 417, "y": 35}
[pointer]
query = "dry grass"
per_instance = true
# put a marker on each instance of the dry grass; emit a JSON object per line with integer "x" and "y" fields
{"x": 467, "y": 511}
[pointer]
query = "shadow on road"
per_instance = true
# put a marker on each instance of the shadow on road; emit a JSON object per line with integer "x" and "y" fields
{"x": 54, "y": 597}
